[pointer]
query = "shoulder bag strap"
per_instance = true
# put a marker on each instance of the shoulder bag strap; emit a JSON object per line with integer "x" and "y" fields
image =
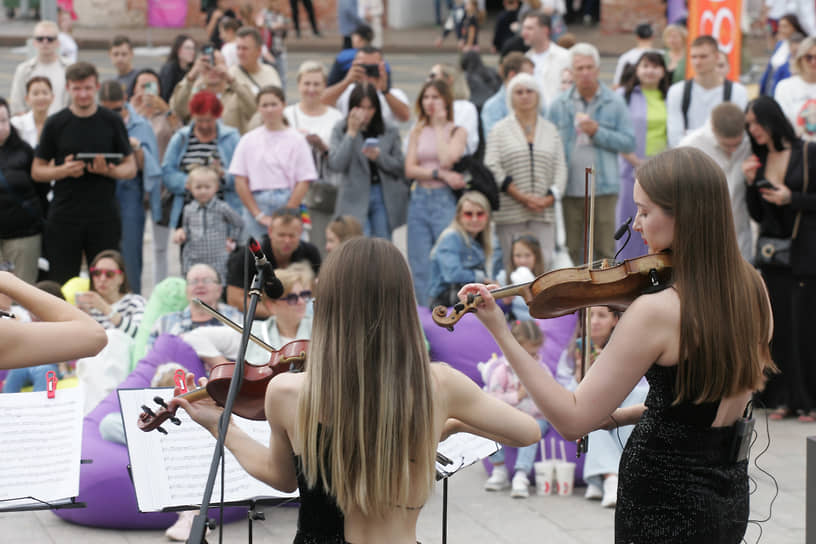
{"x": 798, "y": 219}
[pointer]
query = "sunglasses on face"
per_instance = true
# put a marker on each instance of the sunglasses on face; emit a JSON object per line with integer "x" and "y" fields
{"x": 202, "y": 281}
{"x": 97, "y": 272}
{"x": 292, "y": 298}
{"x": 477, "y": 215}
{"x": 49, "y": 39}
{"x": 118, "y": 109}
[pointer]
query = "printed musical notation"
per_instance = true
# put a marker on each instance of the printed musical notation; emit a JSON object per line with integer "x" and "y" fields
{"x": 170, "y": 471}
{"x": 461, "y": 450}
{"x": 41, "y": 448}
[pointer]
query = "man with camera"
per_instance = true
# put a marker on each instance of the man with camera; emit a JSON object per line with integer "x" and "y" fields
{"x": 84, "y": 148}
{"x": 369, "y": 65}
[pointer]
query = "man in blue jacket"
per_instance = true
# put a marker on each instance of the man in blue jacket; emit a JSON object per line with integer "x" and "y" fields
{"x": 595, "y": 127}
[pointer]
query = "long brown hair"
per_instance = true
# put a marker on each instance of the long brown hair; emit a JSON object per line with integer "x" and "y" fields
{"x": 444, "y": 91}
{"x": 724, "y": 309}
{"x": 367, "y": 392}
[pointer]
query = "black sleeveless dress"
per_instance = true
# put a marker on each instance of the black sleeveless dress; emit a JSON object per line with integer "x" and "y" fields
{"x": 677, "y": 483}
{"x": 320, "y": 520}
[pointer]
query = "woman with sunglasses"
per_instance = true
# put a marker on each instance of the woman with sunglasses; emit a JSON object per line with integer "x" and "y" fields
{"x": 357, "y": 432}
{"x": 794, "y": 92}
{"x": 464, "y": 251}
{"x": 110, "y": 301}
{"x": 289, "y": 320}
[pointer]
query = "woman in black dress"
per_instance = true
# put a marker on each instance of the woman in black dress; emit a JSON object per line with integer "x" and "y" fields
{"x": 775, "y": 197}
{"x": 703, "y": 346}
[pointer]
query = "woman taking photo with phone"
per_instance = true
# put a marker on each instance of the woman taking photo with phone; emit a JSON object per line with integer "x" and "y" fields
{"x": 367, "y": 152}
{"x": 701, "y": 342}
{"x": 357, "y": 431}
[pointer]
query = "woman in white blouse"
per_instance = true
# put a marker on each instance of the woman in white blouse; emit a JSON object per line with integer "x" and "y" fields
{"x": 316, "y": 120}
{"x": 39, "y": 96}
{"x": 794, "y": 93}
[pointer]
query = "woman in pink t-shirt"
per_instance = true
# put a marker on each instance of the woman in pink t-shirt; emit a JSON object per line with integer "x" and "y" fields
{"x": 272, "y": 165}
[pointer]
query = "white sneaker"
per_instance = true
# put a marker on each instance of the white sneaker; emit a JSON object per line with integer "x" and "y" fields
{"x": 180, "y": 530}
{"x": 593, "y": 493}
{"x": 499, "y": 480}
{"x": 610, "y": 492}
{"x": 521, "y": 486}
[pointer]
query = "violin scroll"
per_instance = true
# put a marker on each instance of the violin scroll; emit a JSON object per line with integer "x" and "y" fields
{"x": 443, "y": 319}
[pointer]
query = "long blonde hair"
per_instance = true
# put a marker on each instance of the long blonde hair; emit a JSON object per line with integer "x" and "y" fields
{"x": 365, "y": 416}
{"x": 724, "y": 310}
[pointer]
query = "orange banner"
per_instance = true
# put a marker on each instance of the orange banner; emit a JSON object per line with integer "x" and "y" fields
{"x": 721, "y": 19}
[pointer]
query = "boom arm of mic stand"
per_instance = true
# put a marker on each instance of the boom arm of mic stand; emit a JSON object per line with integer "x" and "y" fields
{"x": 200, "y": 521}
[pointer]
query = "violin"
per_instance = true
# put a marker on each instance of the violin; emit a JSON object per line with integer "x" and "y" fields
{"x": 250, "y": 401}
{"x": 563, "y": 291}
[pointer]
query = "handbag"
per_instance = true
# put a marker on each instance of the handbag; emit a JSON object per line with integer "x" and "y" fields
{"x": 322, "y": 193}
{"x": 774, "y": 252}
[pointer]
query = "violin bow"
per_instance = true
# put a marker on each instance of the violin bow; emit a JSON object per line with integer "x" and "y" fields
{"x": 231, "y": 324}
{"x": 589, "y": 250}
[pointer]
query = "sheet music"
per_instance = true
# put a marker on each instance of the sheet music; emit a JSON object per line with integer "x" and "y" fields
{"x": 171, "y": 470}
{"x": 462, "y": 449}
{"x": 40, "y": 447}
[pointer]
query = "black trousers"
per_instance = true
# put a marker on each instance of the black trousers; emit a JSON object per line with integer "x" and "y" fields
{"x": 309, "y": 11}
{"x": 65, "y": 241}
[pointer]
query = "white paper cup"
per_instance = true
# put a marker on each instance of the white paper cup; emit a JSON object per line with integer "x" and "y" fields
{"x": 565, "y": 474}
{"x": 545, "y": 477}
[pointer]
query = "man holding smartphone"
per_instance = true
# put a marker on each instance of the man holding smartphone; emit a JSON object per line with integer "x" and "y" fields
{"x": 84, "y": 215}
{"x": 369, "y": 65}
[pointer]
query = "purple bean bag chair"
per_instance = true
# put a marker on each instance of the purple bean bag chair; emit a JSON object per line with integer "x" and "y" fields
{"x": 105, "y": 484}
{"x": 470, "y": 344}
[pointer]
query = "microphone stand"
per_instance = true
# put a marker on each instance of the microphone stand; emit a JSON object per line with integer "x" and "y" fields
{"x": 200, "y": 521}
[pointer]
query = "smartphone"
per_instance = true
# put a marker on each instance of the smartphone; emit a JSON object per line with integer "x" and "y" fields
{"x": 371, "y": 142}
{"x": 765, "y": 184}
{"x": 151, "y": 87}
{"x": 209, "y": 52}
{"x": 372, "y": 70}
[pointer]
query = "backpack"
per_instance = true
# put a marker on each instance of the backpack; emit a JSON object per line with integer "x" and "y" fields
{"x": 727, "y": 86}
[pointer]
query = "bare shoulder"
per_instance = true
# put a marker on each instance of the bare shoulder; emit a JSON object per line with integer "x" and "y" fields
{"x": 660, "y": 307}
{"x": 285, "y": 388}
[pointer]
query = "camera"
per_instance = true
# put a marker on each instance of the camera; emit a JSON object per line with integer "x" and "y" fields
{"x": 372, "y": 70}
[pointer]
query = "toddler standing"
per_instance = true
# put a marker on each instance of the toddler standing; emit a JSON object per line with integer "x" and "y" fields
{"x": 209, "y": 226}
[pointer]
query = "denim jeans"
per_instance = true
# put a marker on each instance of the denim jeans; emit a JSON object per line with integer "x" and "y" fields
{"x": 130, "y": 193}
{"x": 268, "y": 201}
{"x": 377, "y": 220}
{"x": 430, "y": 211}
{"x": 526, "y": 455}
{"x": 18, "y": 378}
{"x": 438, "y": 8}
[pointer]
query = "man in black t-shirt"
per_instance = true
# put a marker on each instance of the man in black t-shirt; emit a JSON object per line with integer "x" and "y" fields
{"x": 282, "y": 246}
{"x": 83, "y": 217}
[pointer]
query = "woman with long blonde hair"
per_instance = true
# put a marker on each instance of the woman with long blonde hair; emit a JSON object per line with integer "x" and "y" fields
{"x": 357, "y": 432}
{"x": 702, "y": 345}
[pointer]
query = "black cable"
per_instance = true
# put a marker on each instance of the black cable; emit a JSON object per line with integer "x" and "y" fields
{"x": 617, "y": 428}
{"x": 758, "y": 522}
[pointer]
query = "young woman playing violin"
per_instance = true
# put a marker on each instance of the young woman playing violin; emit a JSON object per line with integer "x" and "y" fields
{"x": 357, "y": 431}
{"x": 702, "y": 345}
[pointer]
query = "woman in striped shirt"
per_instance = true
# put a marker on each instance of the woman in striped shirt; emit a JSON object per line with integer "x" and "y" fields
{"x": 525, "y": 154}
{"x": 109, "y": 300}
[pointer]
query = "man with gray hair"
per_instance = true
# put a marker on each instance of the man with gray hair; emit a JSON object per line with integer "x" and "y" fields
{"x": 595, "y": 127}
{"x": 47, "y": 63}
{"x": 723, "y": 139}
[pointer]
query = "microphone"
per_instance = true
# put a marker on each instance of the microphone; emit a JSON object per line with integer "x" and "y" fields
{"x": 623, "y": 228}
{"x": 273, "y": 288}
